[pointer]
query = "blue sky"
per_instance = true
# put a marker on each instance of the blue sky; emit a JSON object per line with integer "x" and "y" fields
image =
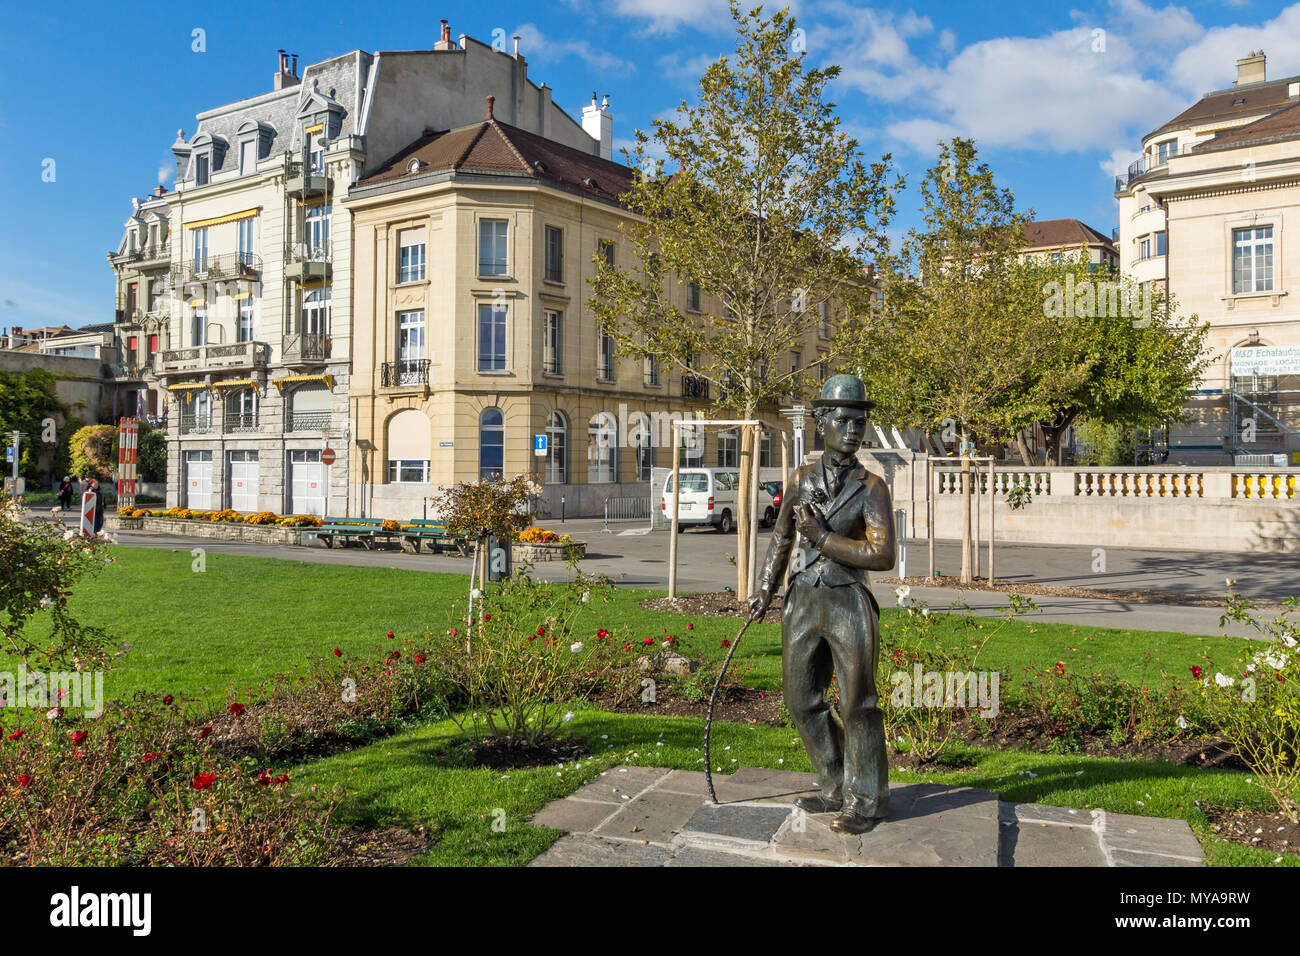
{"x": 1057, "y": 96}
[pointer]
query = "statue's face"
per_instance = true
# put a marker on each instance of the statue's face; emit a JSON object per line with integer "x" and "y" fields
{"x": 843, "y": 429}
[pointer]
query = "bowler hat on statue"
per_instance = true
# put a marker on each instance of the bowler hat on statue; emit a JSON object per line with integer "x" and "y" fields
{"x": 844, "y": 391}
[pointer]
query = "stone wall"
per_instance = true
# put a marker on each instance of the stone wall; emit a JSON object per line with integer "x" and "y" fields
{"x": 222, "y": 530}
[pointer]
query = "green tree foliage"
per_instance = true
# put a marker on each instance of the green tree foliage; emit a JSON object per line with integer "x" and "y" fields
{"x": 91, "y": 451}
{"x": 26, "y": 400}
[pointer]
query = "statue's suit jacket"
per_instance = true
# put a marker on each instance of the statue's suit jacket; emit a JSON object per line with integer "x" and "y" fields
{"x": 861, "y": 520}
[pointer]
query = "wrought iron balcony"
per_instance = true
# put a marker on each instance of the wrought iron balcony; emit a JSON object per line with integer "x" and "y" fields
{"x": 305, "y": 348}
{"x": 196, "y": 424}
{"x": 240, "y": 422}
{"x": 405, "y": 372}
{"x": 306, "y": 421}
{"x": 304, "y": 262}
{"x": 226, "y": 267}
{"x": 305, "y": 183}
{"x": 127, "y": 371}
{"x": 695, "y": 386}
{"x": 153, "y": 252}
{"x": 238, "y": 355}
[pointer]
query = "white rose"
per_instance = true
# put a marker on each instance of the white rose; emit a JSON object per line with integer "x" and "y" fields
{"x": 1223, "y": 680}
{"x": 576, "y": 646}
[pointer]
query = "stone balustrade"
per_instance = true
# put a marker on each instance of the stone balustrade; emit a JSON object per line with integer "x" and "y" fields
{"x": 1222, "y": 483}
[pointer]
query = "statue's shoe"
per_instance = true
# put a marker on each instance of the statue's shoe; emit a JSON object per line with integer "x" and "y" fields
{"x": 854, "y": 820}
{"x": 818, "y": 804}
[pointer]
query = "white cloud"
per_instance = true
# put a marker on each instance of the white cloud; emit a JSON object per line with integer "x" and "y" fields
{"x": 1211, "y": 62}
{"x": 545, "y": 49}
{"x": 665, "y": 16}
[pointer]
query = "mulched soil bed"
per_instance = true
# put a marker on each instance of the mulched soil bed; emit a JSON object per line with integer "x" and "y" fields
{"x": 1268, "y": 831}
{"x": 739, "y": 705}
{"x": 501, "y": 754}
{"x": 711, "y": 604}
{"x": 392, "y": 846}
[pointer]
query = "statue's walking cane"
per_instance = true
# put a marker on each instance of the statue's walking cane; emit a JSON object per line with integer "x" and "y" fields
{"x": 708, "y": 717}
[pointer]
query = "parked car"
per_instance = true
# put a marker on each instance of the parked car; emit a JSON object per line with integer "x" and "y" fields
{"x": 707, "y": 496}
{"x": 769, "y": 500}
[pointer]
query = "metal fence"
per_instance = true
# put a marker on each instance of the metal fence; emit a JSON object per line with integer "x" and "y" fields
{"x": 628, "y": 509}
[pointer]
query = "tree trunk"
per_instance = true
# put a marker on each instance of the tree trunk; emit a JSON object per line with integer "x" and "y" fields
{"x": 966, "y": 478}
{"x": 742, "y": 513}
{"x": 1022, "y": 446}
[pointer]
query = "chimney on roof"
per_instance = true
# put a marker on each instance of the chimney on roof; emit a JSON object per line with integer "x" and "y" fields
{"x": 490, "y": 100}
{"x": 158, "y": 191}
{"x": 285, "y": 76}
{"x": 444, "y": 38}
{"x": 1250, "y": 68}
{"x": 516, "y": 39}
{"x": 599, "y": 125}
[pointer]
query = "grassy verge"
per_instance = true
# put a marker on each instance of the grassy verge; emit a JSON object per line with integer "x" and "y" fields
{"x": 415, "y": 778}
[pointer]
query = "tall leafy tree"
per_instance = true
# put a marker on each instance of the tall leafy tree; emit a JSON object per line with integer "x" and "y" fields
{"x": 26, "y": 400}
{"x": 769, "y": 209}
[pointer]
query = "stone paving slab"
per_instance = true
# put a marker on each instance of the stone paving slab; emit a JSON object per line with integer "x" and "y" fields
{"x": 647, "y": 816}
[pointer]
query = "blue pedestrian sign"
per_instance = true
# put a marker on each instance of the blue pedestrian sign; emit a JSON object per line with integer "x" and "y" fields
{"x": 9, "y": 454}
{"x": 539, "y": 446}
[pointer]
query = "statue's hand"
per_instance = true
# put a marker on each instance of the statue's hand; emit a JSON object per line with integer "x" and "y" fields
{"x": 812, "y": 523}
{"x": 758, "y": 605}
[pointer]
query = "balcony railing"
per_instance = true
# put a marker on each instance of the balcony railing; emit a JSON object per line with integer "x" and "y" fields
{"x": 126, "y": 370}
{"x": 306, "y": 347}
{"x": 405, "y": 372}
{"x": 196, "y": 424}
{"x": 306, "y": 421}
{"x": 695, "y": 386}
{"x": 241, "y": 422}
{"x": 306, "y": 184}
{"x": 238, "y": 355}
{"x": 153, "y": 252}
{"x": 304, "y": 261}
{"x": 226, "y": 267}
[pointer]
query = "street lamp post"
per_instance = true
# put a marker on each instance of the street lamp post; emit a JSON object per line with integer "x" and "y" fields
{"x": 796, "y": 415}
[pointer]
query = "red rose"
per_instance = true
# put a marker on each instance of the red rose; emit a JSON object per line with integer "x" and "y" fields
{"x": 204, "y": 781}
{"x": 15, "y": 735}
{"x": 1060, "y": 667}
{"x": 541, "y": 632}
{"x": 151, "y": 757}
{"x": 78, "y": 754}
{"x": 389, "y": 635}
{"x": 602, "y": 633}
{"x": 627, "y": 645}
{"x": 337, "y": 652}
{"x": 205, "y": 731}
{"x": 168, "y": 700}
{"x": 263, "y": 779}
{"x": 237, "y": 709}
{"x": 1196, "y": 672}
{"x": 487, "y": 617}
{"x": 648, "y": 641}
{"x": 24, "y": 781}
{"x": 726, "y": 643}
{"x": 690, "y": 627}
{"x": 669, "y": 639}
{"x": 282, "y": 780}
{"x": 419, "y": 658}
{"x": 454, "y": 632}
{"x": 79, "y": 735}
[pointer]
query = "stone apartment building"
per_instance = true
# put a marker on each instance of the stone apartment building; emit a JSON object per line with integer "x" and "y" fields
{"x": 250, "y": 347}
{"x": 473, "y": 250}
{"x": 1050, "y": 239}
{"x": 1204, "y": 212}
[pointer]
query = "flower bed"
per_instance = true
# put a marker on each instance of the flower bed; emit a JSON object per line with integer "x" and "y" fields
{"x": 557, "y": 551}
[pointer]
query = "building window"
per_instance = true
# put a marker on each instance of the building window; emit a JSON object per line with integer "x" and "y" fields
{"x": 796, "y": 362}
{"x": 310, "y": 408}
{"x": 316, "y": 231}
{"x": 244, "y": 330}
{"x": 693, "y": 296}
{"x": 552, "y": 342}
{"x": 1166, "y": 149}
{"x": 491, "y": 444}
{"x": 131, "y": 344}
{"x": 605, "y": 249}
{"x": 196, "y": 412}
{"x": 201, "y": 250}
{"x": 651, "y": 370}
{"x": 248, "y": 157}
{"x": 153, "y": 345}
{"x": 557, "y": 449}
{"x": 157, "y": 289}
{"x": 1162, "y": 243}
{"x": 410, "y": 262}
{"x": 554, "y": 254}
{"x": 604, "y": 356}
{"x": 824, "y": 319}
{"x": 1252, "y": 259}
{"x": 1144, "y": 249}
{"x": 643, "y": 442}
{"x": 602, "y": 449}
{"x": 241, "y": 410}
{"x": 409, "y": 471}
{"x": 202, "y": 169}
{"x": 690, "y": 448}
{"x": 315, "y": 154}
{"x": 316, "y": 311}
{"x": 199, "y": 326}
{"x": 765, "y": 450}
{"x": 728, "y": 449}
{"x": 132, "y": 292}
{"x": 492, "y": 337}
{"x": 410, "y": 347}
{"x": 245, "y": 240}
{"x": 823, "y": 368}
{"x": 492, "y": 242}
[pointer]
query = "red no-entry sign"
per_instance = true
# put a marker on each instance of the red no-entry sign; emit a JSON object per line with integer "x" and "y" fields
{"x": 327, "y": 456}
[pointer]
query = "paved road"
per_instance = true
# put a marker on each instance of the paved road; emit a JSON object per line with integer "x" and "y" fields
{"x": 637, "y": 558}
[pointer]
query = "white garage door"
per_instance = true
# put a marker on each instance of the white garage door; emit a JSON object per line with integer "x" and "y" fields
{"x": 306, "y": 483}
{"x": 243, "y": 480}
{"x": 198, "y": 480}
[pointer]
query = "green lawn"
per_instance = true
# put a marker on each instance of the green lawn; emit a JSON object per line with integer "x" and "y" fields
{"x": 244, "y": 619}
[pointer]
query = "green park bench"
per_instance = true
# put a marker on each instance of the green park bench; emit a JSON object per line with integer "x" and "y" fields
{"x": 435, "y": 532}
{"x": 364, "y": 530}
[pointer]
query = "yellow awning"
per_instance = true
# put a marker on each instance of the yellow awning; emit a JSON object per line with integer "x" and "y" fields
{"x": 238, "y": 383}
{"x": 280, "y": 383}
{"x": 218, "y": 220}
{"x": 318, "y": 128}
{"x": 197, "y": 302}
{"x": 188, "y": 387}
{"x": 242, "y": 295}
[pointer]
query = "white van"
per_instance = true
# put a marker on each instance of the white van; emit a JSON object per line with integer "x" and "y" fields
{"x": 708, "y": 496}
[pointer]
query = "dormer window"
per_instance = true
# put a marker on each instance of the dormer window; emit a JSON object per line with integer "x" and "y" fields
{"x": 208, "y": 153}
{"x": 254, "y": 145}
{"x": 202, "y": 169}
{"x": 315, "y": 153}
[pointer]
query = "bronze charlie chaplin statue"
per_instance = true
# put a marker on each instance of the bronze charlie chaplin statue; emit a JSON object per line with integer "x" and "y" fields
{"x": 835, "y": 525}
